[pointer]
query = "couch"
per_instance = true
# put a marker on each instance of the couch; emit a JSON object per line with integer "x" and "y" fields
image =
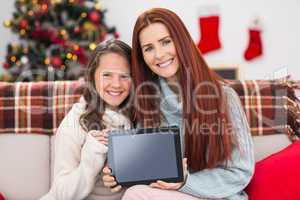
{"x": 31, "y": 112}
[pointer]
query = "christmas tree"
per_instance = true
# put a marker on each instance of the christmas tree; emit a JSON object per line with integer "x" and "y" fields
{"x": 56, "y": 38}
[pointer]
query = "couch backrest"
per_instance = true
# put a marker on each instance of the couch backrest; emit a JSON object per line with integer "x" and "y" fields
{"x": 39, "y": 107}
{"x": 34, "y": 111}
{"x": 36, "y": 107}
{"x": 271, "y": 106}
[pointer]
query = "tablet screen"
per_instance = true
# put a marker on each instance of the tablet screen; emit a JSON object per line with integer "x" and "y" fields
{"x": 145, "y": 158}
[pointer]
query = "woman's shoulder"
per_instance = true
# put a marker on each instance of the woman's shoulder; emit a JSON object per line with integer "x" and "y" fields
{"x": 231, "y": 97}
{"x": 228, "y": 91}
{"x": 226, "y": 88}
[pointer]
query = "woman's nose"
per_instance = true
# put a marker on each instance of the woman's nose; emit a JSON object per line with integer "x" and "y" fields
{"x": 159, "y": 53}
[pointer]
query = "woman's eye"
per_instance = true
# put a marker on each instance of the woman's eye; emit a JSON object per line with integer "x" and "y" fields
{"x": 165, "y": 42}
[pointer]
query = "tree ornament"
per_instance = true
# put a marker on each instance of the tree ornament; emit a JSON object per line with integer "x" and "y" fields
{"x": 22, "y": 32}
{"x": 92, "y": 46}
{"x": 83, "y": 15}
{"x": 24, "y": 59}
{"x": 13, "y": 58}
{"x": 18, "y": 63}
{"x": 69, "y": 55}
{"x": 88, "y": 26}
{"x": 116, "y": 35}
{"x": 30, "y": 13}
{"x": 47, "y": 61}
{"x": 7, "y": 23}
{"x": 56, "y": 61}
{"x": 77, "y": 30}
{"x": 23, "y": 24}
{"x": 6, "y": 65}
{"x": 94, "y": 16}
{"x": 56, "y": 1}
{"x": 81, "y": 55}
{"x": 44, "y": 7}
{"x": 55, "y": 34}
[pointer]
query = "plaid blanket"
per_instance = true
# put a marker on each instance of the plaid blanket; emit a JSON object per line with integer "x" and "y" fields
{"x": 36, "y": 107}
{"x": 270, "y": 106}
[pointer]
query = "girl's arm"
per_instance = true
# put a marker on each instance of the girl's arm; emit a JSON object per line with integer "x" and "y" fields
{"x": 222, "y": 181}
{"x": 78, "y": 161}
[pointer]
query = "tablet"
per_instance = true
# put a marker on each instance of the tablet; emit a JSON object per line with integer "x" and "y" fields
{"x": 143, "y": 156}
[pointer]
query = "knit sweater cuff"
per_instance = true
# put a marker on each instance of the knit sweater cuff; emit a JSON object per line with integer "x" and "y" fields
{"x": 95, "y": 146}
{"x": 93, "y": 155}
{"x": 185, "y": 188}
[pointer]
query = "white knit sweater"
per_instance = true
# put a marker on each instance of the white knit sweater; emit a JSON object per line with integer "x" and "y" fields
{"x": 79, "y": 158}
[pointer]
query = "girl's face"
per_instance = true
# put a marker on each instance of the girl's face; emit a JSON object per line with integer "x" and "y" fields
{"x": 112, "y": 79}
{"x": 159, "y": 50}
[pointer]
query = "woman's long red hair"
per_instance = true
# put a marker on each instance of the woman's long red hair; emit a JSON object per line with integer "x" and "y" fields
{"x": 203, "y": 148}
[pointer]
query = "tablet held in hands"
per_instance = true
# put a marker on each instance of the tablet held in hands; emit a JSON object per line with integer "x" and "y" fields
{"x": 143, "y": 156}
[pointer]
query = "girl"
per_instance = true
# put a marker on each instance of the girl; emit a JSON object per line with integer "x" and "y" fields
{"x": 215, "y": 135}
{"x": 80, "y": 144}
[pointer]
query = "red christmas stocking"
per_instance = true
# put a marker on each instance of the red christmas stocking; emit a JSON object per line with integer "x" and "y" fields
{"x": 209, "y": 30}
{"x": 255, "y": 48}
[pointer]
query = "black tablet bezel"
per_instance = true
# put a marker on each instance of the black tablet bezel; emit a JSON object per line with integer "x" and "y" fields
{"x": 176, "y": 135}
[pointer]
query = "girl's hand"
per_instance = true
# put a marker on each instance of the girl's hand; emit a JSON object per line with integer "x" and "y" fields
{"x": 101, "y": 136}
{"x": 172, "y": 186}
{"x": 109, "y": 181}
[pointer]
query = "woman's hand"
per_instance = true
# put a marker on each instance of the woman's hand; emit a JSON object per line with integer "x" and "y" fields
{"x": 172, "y": 186}
{"x": 101, "y": 136}
{"x": 109, "y": 181}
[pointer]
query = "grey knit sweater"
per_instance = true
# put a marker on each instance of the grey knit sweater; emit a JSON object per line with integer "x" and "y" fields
{"x": 220, "y": 182}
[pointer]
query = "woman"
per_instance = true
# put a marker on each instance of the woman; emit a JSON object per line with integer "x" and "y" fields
{"x": 81, "y": 139}
{"x": 214, "y": 130}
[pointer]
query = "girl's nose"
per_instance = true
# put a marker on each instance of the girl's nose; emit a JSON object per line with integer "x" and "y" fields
{"x": 116, "y": 81}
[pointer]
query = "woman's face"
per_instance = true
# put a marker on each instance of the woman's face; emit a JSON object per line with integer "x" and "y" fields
{"x": 159, "y": 50}
{"x": 112, "y": 79}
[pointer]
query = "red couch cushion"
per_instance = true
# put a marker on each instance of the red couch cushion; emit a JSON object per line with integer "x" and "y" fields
{"x": 277, "y": 177}
{"x": 1, "y": 197}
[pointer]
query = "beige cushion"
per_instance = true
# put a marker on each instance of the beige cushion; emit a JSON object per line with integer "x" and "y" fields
{"x": 268, "y": 144}
{"x": 24, "y": 168}
{"x": 52, "y": 140}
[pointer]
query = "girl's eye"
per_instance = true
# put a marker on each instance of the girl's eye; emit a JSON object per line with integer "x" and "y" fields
{"x": 147, "y": 49}
{"x": 106, "y": 75}
{"x": 125, "y": 77}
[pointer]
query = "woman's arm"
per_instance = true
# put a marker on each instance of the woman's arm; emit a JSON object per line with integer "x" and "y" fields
{"x": 78, "y": 160}
{"x": 222, "y": 181}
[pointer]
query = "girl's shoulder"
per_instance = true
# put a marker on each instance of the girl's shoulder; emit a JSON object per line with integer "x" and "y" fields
{"x": 73, "y": 115}
{"x": 79, "y": 107}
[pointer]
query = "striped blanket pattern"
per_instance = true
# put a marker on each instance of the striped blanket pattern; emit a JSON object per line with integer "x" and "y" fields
{"x": 35, "y": 107}
{"x": 271, "y": 107}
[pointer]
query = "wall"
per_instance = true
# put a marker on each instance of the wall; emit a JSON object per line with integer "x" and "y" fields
{"x": 279, "y": 19}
